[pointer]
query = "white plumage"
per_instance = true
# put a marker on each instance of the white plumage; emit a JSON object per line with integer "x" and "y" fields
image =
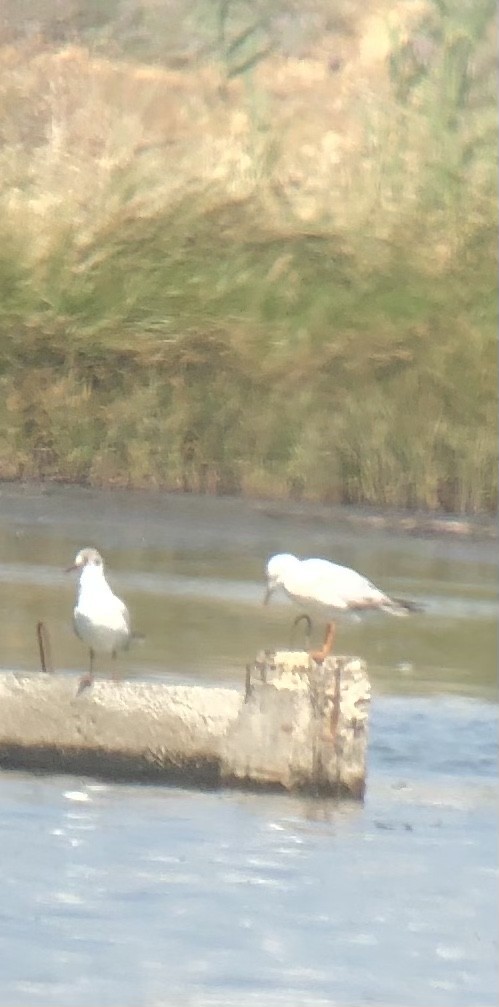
{"x": 100, "y": 618}
{"x": 326, "y": 589}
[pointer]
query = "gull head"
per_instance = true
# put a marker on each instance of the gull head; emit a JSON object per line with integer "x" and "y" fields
{"x": 86, "y": 557}
{"x": 278, "y": 568}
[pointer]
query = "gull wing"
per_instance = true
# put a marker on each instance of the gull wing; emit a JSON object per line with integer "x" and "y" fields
{"x": 338, "y": 586}
{"x": 125, "y": 613}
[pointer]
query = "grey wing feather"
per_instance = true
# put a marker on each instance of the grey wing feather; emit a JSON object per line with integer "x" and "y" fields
{"x": 75, "y": 624}
{"x": 126, "y": 616}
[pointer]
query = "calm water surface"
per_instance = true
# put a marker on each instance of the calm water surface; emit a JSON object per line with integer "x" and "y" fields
{"x": 148, "y": 896}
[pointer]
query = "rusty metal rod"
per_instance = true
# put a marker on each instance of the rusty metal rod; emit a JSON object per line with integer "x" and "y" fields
{"x": 44, "y": 648}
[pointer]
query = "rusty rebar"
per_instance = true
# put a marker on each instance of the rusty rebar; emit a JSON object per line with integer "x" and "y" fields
{"x": 44, "y": 648}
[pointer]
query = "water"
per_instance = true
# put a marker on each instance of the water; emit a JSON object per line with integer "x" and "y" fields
{"x": 151, "y": 896}
{"x": 191, "y": 571}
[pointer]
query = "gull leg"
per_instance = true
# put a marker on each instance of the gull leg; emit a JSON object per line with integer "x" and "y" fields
{"x": 87, "y": 679}
{"x": 320, "y": 655}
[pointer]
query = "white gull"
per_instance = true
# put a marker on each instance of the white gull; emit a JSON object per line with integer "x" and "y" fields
{"x": 327, "y": 590}
{"x": 100, "y": 619}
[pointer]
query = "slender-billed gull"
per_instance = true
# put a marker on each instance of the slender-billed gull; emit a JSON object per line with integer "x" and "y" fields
{"x": 326, "y": 589}
{"x": 100, "y": 619}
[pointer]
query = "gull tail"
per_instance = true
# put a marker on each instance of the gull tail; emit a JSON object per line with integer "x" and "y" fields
{"x": 400, "y": 606}
{"x": 133, "y": 639}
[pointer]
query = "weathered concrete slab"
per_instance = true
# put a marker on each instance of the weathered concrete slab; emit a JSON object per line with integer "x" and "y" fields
{"x": 303, "y": 728}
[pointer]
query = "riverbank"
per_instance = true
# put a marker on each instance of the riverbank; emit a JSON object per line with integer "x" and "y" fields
{"x": 258, "y": 282}
{"x": 16, "y": 497}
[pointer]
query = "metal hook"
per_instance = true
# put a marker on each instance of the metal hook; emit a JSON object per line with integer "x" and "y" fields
{"x": 308, "y": 637}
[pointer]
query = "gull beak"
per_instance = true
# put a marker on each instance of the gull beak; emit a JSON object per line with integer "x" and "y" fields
{"x": 74, "y": 566}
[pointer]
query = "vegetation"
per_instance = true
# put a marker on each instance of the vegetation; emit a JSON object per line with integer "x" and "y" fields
{"x": 253, "y": 251}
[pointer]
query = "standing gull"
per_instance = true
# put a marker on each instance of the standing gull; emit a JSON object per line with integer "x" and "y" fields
{"x": 100, "y": 619}
{"x": 326, "y": 589}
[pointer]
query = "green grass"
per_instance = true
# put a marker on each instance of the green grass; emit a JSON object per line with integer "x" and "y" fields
{"x": 235, "y": 311}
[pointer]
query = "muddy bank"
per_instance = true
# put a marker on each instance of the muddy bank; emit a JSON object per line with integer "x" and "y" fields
{"x": 422, "y": 523}
{"x": 400, "y": 522}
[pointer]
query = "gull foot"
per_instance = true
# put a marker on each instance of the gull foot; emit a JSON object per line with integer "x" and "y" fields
{"x": 317, "y": 655}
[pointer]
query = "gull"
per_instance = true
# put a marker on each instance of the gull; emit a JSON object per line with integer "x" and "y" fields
{"x": 326, "y": 589}
{"x": 100, "y": 619}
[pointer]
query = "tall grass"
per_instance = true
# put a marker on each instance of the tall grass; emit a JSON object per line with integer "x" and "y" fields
{"x": 272, "y": 279}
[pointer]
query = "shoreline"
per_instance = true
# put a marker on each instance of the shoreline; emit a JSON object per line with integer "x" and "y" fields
{"x": 416, "y": 523}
